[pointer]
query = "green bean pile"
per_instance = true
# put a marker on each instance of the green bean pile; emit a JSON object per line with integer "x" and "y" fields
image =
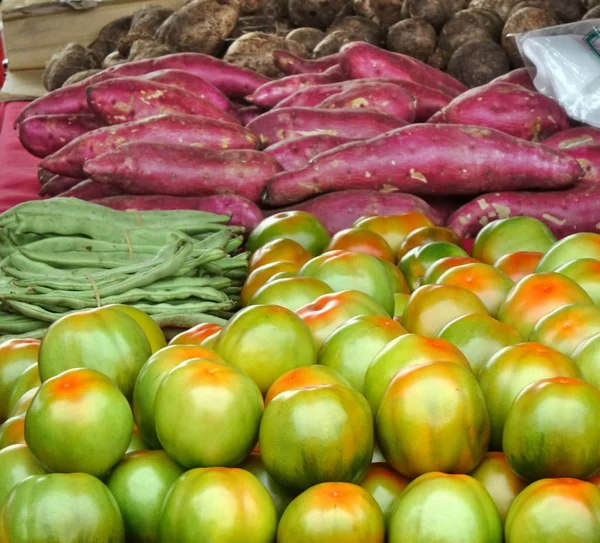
{"x": 63, "y": 255}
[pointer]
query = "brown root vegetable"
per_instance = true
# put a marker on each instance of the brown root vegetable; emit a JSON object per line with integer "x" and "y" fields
{"x": 524, "y": 20}
{"x": 72, "y": 58}
{"x": 109, "y": 37}
{"x": 80, "y": 76}
{"x": 470, "y": 25}
{"x": 589, "y": 4}
{"x": 539, "y": 4}
{"x": 435, "y": 12}
{"x": 181, "y": 170}
{"x": 568, "y": 11}
{"x": 314, "y": 13}
{"x": 254, "y": 23}
{"x": 57, "y": 185}
{"x": 309, "y": 37}
{"x": 332, "y": 43}
{"x": 147, "y": 48}
{"x": 249, "y": 7}
{"x": 199, "y": 26}
{"x": 255, "y": 52}
{"x": 454, "y": 6}
{"x": 359, "y": 27}
{"x": 383, "y": 12}
{"x": 501, "y": 7}
{"x": 414, "y": 37}
{"x": 478, "y": 62}
{"x": 114, "y": 59}
{"x": 144, "y": 24}
{"x": 593, "y": 13}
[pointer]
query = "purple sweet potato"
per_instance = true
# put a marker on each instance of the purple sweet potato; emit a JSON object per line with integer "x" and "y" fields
{"x": 509, "y": 108}
{"x": 293, "y": 122}
{"x": 177, "y": 129}
{"x": 274, "y": 92}
{"x": 243, "y": 212}
{"x": 180, "y": 170}
{"x": 90, "y": 190}
{"x": 45, "y": 134}
{"x": 384, "y": 97}
{"x": 589, "y": 160}
{"x": 57, "y": 184}
{"x": 430, "y": 159}
{"x": 581, "y": 136}
{"x": 291, "y": 64}
{"x": 338, "y": 210}
{"x": 194, "y": 85}
{"x": 44, "y": 175}
{"x": 249, "y": 113}
{"x": 295, "y": 153}
{"x": 360, "y": 60}
{"x": 312, "y": 96}
{"x": 519, "y": 77}
{"x": 128, "y": 99}
{"x": 565, "y": 212}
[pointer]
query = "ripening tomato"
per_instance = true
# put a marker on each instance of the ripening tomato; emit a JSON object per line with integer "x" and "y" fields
{"x": 425, "y": 235}
{"x": 399, "y": 284}
{"x": 16, "y": 355}
{"x": 150, "y": 378}
{"x": 385, "y": 485}
{"x": 353, "y": 346}
{"x": 136, "y": 443}
{"x": 394, "y": 228}
{"x": 518, "y": 265}
{"x": 489, "y": 284}
{"x": 553, "y": 430}
{"x": 400, "y": 301}
{"x": 23, "y": 403}
{"x": 573, "y": 247}
{"x": 29, "y": 378}
{"x": 509, "y": 371}
{"x": 79, "y": 421}
{"x": 439, "y": 267}
{"x": 537, "y": 295}
{"x": 317, "y": 434}
{"x": 265, "y": 341}
{"x": 566, "y": 327}
{"x": 260, "y": 276}
{"x": 303, "y": 377}
{"x": 279, "y": 250}
{"x": 562, "y": 510}
{"x": 479, "y": 337}
{"x": 61, "y": 507}
{"x": 505, "y": 236}
{"x": 503, "y": 484}
{"x": 430, "y": 506}
{"x": 196, "y": 334}
{"x": 12, "y": 431}
{"x": 361, "y": 240}
{"x": 345, "y": 270}
{"x": 300, "y": 226}
{"x": 139, "y": 484}
{"x": 219, "y": 402}
{"x": 146, "y": 323}
{"x": 433, "y": 417}
{"x": 105, "y": 339}
{"x": 431, "y": 307}
{"x": 587, "y": 358}
{"x": 586, "y": 273}
{"x": 407, "y": 350}
{"x": 227, "y": 505}
{"x": 290, "y": 292}
{"x": 330, "y": 311}
{"x": 16, "y": 463}
{"x": 331, "y": 513}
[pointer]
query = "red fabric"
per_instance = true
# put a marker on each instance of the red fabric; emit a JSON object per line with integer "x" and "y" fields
{"x": 18, "y": 169}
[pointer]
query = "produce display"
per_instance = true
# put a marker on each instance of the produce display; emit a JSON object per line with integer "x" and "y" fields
{"x": 375, "y": 384}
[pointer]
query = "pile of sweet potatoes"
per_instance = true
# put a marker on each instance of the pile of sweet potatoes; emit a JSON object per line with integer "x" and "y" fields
{"x": 362, "y": 131}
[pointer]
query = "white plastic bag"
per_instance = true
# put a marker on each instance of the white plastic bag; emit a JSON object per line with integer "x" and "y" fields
{"x": 564, "y": 62}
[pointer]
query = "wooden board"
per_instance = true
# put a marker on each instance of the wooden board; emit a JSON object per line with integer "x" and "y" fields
{"x": 22, "y": 85}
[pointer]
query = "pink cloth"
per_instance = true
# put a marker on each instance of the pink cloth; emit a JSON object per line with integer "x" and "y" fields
{"x": 18, "y": 169}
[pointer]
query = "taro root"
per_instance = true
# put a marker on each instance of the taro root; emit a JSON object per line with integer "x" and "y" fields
{"x": 72, "y": 58}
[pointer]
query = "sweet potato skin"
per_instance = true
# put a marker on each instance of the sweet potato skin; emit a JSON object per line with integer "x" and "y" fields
{"x": 249, "y": 113}
{"x": 339, "y": 210}
{"x": 179, "y": 170}
{"x": 194, "y": 85}
{"x": 90, "y": 190}
{"x": 565, "y": 212}
{"x": 384, "y": 97}
{"x": 363, "y": 61}
{"x": 43, "y": 135}
{"x": 292, "y": 122}
{"x": 178, "y": 129}
{"x": 295, "y": 153}
{"x": 581, "y": 136}
{"x": 433, "y": 159}
{"x": 519, "y": 77}
{"x": 509, "y": 108}
{"x": 243, "y": 212}
{"x": 291, "y": 64}
{"x": 57, "y": 185}
{"x": 274, "y": 92}
{"x": 129, "y": 99}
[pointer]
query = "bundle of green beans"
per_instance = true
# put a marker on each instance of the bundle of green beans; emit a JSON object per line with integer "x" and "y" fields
{"x": 64, "y": 255}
